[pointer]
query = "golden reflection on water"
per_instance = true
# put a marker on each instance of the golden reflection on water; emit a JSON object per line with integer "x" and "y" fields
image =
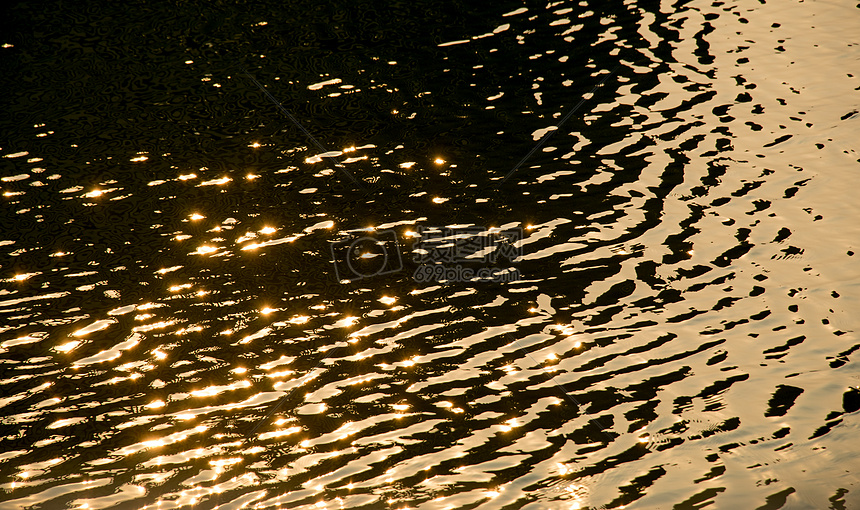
{"x": 629, "y": 303}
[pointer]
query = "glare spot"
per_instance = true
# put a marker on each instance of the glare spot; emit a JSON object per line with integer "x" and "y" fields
{"x": 439, "y": 161}
{"x": 68, "y": 346}
{"x": 195, "y": 217}
{"x": 155, "y": 404}
{"x": 94, "y": 193}
{"x": 400, "y": 407}
{"x": 255, "y": 145}
{"x": 206, "y": 249}
{"x": 158, "y": 354}
{"x": 268, "y": 230}
{"x": 185, "y": 177}
{"x": 439, "y": 200}
{"x": 251, "y": 177}
{"x": 267, "y": 310}
{"x": 240, "y": 370}
{"x": 386, "y": 300}
{"x": 407, "y": 165}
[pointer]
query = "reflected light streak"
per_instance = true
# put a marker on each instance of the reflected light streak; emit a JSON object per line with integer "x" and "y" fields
{"x": 68, "y": 346}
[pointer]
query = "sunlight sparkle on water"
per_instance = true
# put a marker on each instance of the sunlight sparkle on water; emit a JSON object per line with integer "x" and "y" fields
{"x": 68, "y": 346}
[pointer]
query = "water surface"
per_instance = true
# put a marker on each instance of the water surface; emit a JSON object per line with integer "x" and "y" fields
{"x": 683, "y": 332}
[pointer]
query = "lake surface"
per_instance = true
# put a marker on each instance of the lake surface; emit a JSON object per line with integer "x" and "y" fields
{"x": 204, "y": 306}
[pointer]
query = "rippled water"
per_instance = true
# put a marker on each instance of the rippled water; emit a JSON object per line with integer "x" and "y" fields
{"x": 682, "y": 331}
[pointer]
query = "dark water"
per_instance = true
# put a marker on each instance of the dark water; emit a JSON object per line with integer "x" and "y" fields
{"x": 682, "y": 332}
